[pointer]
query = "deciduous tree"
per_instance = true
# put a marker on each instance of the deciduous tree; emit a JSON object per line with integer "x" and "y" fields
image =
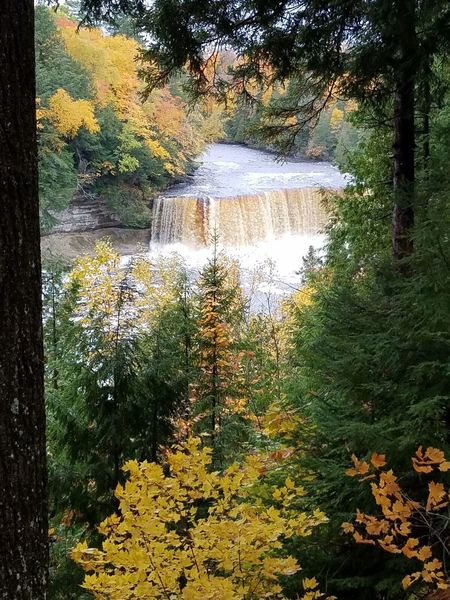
{"x": 190, "y": 533}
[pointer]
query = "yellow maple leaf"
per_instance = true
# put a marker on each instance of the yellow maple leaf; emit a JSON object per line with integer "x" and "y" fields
{"x": 310, "y": 584}
{"x": 435, "y": 455}
{"x": 409, "y": 548}
{"x": 433, "y": 565}
{"x": 424, "y": 553}
{"x": 348, "y": 527}
{"x": 410, "y": 579}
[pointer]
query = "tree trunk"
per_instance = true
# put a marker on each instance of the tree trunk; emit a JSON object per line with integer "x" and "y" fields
{"x": 23, "y": 501}
{"x": 404, "y": 128}
{"x": 426, "y": 110}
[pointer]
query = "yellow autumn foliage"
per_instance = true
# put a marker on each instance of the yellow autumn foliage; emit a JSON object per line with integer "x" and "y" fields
{"x": 185, "y": 532}
{"x": 337, "y": 116}
{"x": 113, "y": 66}
{"x": 157, "y": 284}
{"x": 102, "y": 293}
{"x": 140, "y": 291}
{"x": 113, "y": 62}
{"x": 97, "y": 278}
{"x": 68, "y": 115}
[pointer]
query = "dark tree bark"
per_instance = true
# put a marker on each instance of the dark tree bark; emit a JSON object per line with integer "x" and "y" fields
{"x": 404, "y": 131}
{"x": 23, "y": 503}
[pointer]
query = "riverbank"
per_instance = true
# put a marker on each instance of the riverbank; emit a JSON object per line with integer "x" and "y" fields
{"x": 293, "y": 157}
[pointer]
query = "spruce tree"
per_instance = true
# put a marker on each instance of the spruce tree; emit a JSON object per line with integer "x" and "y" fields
{"x": 216, "y": 349}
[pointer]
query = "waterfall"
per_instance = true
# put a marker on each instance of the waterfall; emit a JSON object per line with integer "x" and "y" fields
{"x": 239, "y": 220}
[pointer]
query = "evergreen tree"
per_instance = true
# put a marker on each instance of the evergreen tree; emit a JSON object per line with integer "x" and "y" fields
{"x": 219, "y": 387}
{"x": 167, "y": 362}
{"x": 91, "y": 408}
{"x": 370, "y": 367}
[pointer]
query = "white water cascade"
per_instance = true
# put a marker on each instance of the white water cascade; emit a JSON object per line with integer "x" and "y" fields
{"x": 243, "y": 220}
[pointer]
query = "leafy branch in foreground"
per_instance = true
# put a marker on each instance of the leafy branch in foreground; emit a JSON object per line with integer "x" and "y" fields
{"x": 415, "y": 529}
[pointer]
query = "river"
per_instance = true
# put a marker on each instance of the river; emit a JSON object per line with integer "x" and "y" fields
{"x": 228, "y": 170}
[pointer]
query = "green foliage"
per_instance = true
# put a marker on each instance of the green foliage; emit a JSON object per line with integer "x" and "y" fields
{"x": 328, "y": 139}
{"x": 370, "y": 367}
{"x": 65, "y": 577}
{"x": 128, "y": 203}
{"x": 361, "y": 362}
{"x": 55, "y": 68}
{"x": 57, "y": 180}
{"x": 361, "y": 217}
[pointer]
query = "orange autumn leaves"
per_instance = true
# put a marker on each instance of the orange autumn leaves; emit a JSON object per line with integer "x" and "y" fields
{"x": 162, "y": 122}
{"x": 425, "y": 462}
{"x": 362, "y": 467}
{"x": 415, "y": 529}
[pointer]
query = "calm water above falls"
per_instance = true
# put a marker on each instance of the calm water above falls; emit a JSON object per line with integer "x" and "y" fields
{"x": 263, "y": 211}
{"x": 232, "y": 170}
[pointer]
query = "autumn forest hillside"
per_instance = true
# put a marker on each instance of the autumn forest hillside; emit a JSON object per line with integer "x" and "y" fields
{"x": 96, "y": 135}
{"x": 199, "y": 448}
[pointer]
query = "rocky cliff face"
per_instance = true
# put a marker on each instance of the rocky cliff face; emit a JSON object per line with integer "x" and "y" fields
{"x": 68, "y": 246}
{"x": 85, "y": 213}
{"x": 88, "y": 220}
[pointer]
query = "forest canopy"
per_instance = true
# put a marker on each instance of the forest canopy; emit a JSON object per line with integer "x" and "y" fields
{"x": 101, "y": 136}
